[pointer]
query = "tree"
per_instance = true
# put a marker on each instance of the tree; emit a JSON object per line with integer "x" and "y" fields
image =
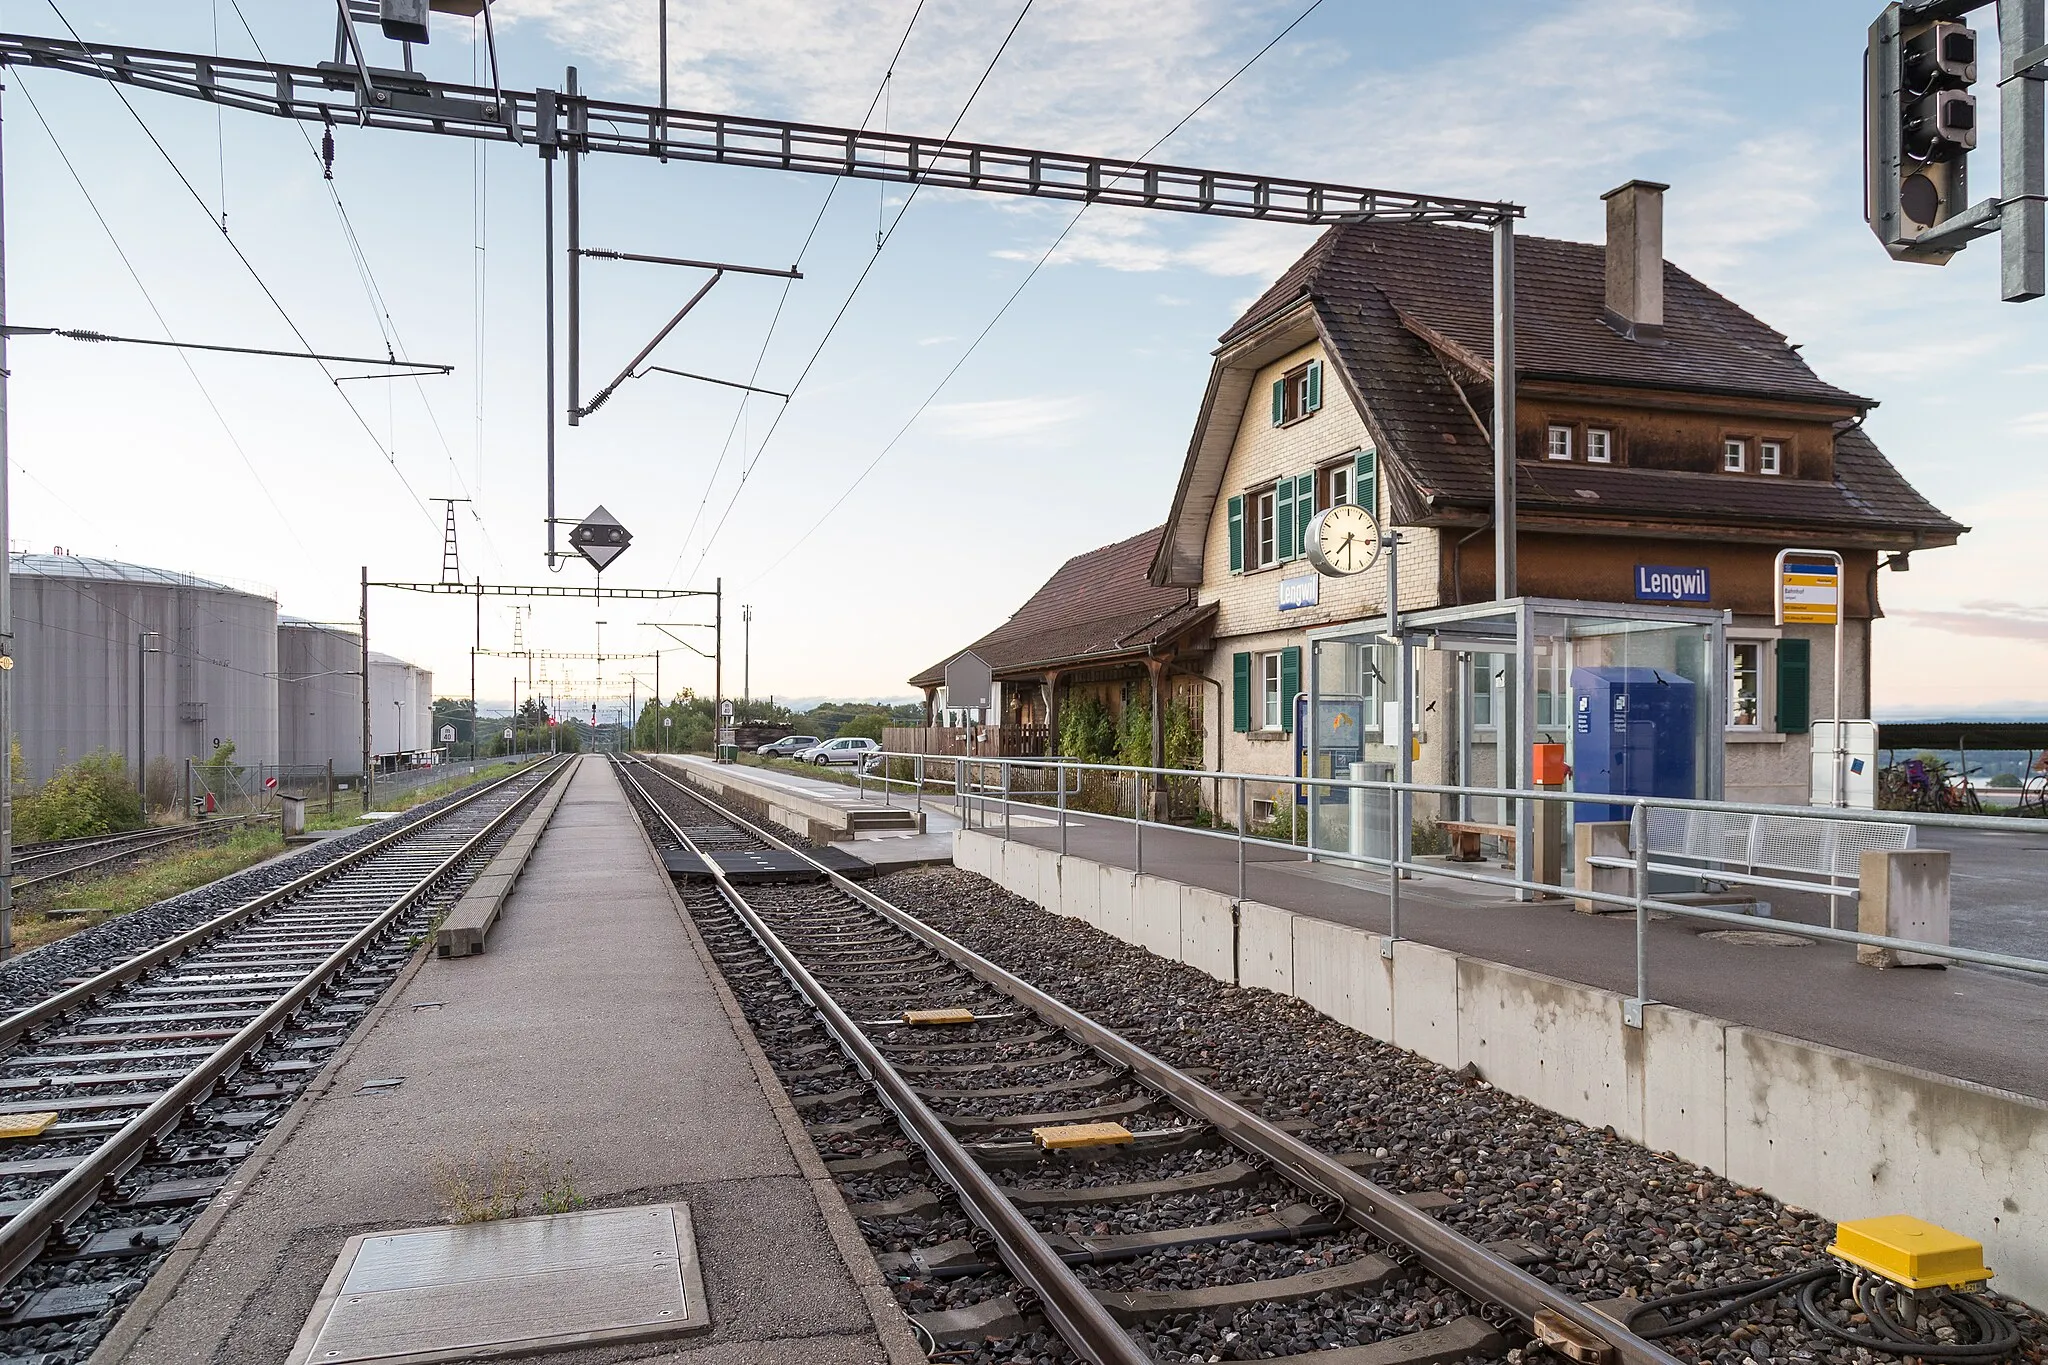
{"x": 862, "y": 727}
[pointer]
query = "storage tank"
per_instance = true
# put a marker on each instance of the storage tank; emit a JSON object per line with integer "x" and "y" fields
{"x": 122, "y": 657}
{"x": 319, "y": 696}
{"x": 401, "y": 708}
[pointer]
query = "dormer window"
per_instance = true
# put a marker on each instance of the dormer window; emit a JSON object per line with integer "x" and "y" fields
{"x": 1297, "y": 393}
{"x": 1770, "y": 458}
{"x": 1599, "y": 445}
{"x": 1735, "y": 455}
{"x": 1560, "y": 444}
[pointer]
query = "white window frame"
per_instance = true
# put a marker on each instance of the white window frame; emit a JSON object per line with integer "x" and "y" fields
{"x": 1770, "y": 457}
{"x": 1484, "y": 669}
{"x": 1558, "y": 443}
{"x": 1736, "y": 649}
{"x": 1342, "y": 479}
{"x": 1599, "y": 445}
{"x": 1734, "y": 455}
{"x": 1265, "y": 529}
{"x": 1270, "y": 701}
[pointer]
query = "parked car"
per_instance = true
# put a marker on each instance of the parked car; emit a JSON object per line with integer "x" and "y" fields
{"x": 839, "y": 751}
{"x": 789, "y": 746}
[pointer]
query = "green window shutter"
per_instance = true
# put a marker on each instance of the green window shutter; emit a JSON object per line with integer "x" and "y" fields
{"x": 1285, "y": 540}
{"x": 1279, "y": 401}
{"x": 1241, "y": 693}
{"x": 1237, "y": 534}
{"x": 1290, "y": 685}
{"x": 1314, "y": 386}
{"x": 1365, "y": 481}
{"x": 1795, "y": 686}
{"x": 1304, "y": 509}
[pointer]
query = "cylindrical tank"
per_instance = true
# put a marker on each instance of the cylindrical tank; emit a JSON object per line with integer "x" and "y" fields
{"x": 124, "y": 658}
{"x": 401, "y": 708}
{"x": 319, "y": 697}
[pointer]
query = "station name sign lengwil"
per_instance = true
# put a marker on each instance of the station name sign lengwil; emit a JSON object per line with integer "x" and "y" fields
{"x": 1666, "y": 583}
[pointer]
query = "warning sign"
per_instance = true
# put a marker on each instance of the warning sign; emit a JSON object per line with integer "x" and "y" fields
{"x": 1809, "y": 588}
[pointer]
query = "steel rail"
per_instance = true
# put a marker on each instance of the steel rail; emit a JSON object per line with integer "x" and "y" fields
{"x": 23, "y": 1237}
{"x": 116, "y": 850}
{"x": 51, "y": 847}
{"x": 19, "y": 1025}
{"x": 1076, "y": 1313}
{"x": 1450, "y": 1254}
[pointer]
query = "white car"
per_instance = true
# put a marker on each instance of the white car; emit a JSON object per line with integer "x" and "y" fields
{"x": 839, "y": 751}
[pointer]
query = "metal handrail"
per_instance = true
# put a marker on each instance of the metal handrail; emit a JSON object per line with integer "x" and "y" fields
{"x": 1399, "y": 868}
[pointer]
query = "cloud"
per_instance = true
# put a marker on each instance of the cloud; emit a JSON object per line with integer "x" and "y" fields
{"x": 939, "y": 340}
{"x": 1006, "y": 418}
{"x": 2033, "y": 424}
{"x": 1997, "y": 620}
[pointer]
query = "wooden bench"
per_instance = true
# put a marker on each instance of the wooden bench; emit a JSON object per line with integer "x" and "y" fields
{"x": 1466, "y": 834}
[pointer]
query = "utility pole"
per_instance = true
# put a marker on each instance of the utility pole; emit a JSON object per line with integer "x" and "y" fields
{"x": 746, "y": 652}
{"x": 365, "y": 628}
{"x": 6, "y": 623}
{"x": 143, "y": 649}
{"x": 717, "y": 670}
{"x": 478, "y": 645}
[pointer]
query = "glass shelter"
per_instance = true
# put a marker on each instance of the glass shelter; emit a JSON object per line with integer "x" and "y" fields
{"x": 1636, "y": 693}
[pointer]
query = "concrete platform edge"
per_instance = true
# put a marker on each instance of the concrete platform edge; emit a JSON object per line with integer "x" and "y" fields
{"x": 470, "y": 920}
{"x": 892, "y": 1328}
{"x": 1842, "y": 1133}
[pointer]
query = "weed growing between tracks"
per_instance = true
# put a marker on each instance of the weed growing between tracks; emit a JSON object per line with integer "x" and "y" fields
{"x": 501, "y": 1181}
{"x": 156, "y": 878}
{"x": 348, "y": 809}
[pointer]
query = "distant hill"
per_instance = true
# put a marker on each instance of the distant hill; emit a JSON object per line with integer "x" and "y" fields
{"x": 2002, "y": 710}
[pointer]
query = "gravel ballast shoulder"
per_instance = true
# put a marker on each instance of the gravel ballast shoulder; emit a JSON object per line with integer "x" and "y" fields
{"x": 1612, "y": 1216}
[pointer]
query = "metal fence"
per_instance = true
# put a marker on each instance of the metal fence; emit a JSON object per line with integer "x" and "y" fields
{"x": 986, "y": 793}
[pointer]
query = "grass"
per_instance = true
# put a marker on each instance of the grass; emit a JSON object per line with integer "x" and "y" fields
{"x": 348, "y": 806}
{"x": 501, "y": 1182}
{"x": 117, "y": 893}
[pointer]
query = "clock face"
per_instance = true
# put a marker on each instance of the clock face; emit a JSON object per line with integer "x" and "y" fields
{"x": 1343, "y": 540}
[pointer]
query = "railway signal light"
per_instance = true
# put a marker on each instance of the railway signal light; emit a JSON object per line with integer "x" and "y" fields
{"x": 600, "y": 538}
{"x": 405, "y": 21}
{"x": 1920, "y": 127}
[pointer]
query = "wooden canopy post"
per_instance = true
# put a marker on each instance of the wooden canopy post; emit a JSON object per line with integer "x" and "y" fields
{"x": 1051, "y": 684}
{"x": 1155, "y": 669}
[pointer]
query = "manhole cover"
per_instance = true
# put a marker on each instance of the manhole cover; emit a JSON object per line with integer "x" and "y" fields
{"x": 519, "y": 1286}
{"x": 1758, "y": 938}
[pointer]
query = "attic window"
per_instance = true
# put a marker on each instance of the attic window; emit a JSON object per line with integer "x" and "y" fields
{"x": 1560, "y": 445}
{"x": 1599, "y": 446}
{"x": 1298, "y": 393}
{"x": 1735, "y": 455}
{"x": 1770, "y": 457}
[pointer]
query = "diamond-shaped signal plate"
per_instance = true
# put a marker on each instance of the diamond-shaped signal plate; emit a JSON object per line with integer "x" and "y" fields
{"x": 600, "y": 538}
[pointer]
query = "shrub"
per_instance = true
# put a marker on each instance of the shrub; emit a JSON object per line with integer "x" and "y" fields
{"x": 91, "y": 796}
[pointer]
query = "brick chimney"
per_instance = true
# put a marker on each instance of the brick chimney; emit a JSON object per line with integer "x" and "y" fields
{"x": 1635, "y": 260}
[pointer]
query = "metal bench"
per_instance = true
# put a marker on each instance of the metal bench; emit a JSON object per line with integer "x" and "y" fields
{"x": 1782, "y": 852}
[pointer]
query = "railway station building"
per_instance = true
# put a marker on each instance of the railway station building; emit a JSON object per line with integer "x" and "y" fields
{"x": 1668, "y": 445}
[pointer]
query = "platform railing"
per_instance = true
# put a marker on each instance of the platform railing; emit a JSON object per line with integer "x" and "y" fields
{"x": 977, "y": 785}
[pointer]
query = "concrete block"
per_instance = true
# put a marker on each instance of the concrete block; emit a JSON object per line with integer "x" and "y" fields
{"x": 1425, "y": 1002}
{"x": 1604, "y": 839}
{"x": 968, "y": 852}
{"x": 1853, "y": 1137}
{"x": 1329, "y": 969}
{"x": 1208, "y": 932}
{"x": 1081, "y": 890}
{"x": 1022, "y": 875}
{"x": 1684, "y": 1083}
{"x": 1905, "y": 895}
{"x": 1116, "y": 897}
{"x": 1557, "y": 1043}
{"x": 1265, "y": 947}
{"x": 1155, "y": 905}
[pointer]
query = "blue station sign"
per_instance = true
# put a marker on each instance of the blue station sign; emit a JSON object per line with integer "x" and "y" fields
{"x": 1669, "y": 583}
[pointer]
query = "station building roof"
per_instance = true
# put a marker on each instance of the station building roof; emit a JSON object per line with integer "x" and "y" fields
{"x": 1098, "y": 608}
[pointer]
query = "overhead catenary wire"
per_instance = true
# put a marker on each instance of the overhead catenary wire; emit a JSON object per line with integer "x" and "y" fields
{"x": 150, "y": 300}
{"x": 747, "y": 470}
{"x": 1029, "y": 275}
{"x": 387, "y": 325}
{"x": 247, "y": 265}
{"x": 760, "y": 356}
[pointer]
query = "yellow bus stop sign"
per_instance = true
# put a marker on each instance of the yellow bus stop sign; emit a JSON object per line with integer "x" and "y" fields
{"x": 1809, "y": 587}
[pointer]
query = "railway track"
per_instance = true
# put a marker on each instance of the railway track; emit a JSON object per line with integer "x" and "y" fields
{"x": 1199, "y": 1224}
{"x": 37, "y": 864}
{"x": 129, "y": 1097}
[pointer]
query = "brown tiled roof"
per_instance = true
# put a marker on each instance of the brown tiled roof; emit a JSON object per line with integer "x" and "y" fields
{"x": 1098, "y": 606}
{"x": 1376, "y": 288}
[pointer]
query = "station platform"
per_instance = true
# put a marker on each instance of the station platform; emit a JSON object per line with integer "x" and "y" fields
{"x": 590, "y": 1055}
{"x": 1971, "y": 1024}
{"x": 884, "y": 849}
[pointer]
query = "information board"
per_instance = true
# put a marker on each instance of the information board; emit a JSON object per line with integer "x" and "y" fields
{"x": 1809, "y": 587}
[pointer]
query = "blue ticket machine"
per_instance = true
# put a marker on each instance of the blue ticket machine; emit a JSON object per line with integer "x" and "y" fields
{"x": 1632, "y": 735}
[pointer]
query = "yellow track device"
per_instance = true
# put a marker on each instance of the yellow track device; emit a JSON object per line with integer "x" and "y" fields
{"x": 1910, "y": 1253}
{"x": 1066, "y": 1137}
{"x": 945, "y": 1016}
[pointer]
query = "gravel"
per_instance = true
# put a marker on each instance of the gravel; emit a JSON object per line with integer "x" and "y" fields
{"x": 1613, "y": 1216}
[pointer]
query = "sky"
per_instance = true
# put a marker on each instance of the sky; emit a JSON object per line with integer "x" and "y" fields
{"x": 918, "y": 485}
